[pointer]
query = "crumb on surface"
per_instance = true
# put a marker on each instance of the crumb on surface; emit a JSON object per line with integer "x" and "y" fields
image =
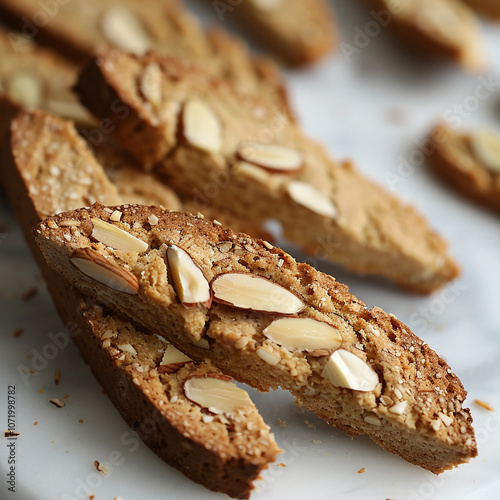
{"x": 484, "y": 404}
{"x": 80, "y": 421}
{"x": 316, "y": 441}
{"x": 57, "y": 377}
{"x": 360, "y": 471}
{"x": 282, "y": 423}
{"x": 29, "y": 294}
{"x": 282, "y": 465}
{"x": 57, "y": 402}
{"x": 35, "y": 423}
{"x": 18, "y": 332}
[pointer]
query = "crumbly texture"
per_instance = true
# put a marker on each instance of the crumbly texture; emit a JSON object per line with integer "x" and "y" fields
{"x": 443, "y": 29}
{"x": 432, "y": 431}
{"x": 225, "y": 453}
{"x": 299, "y": 32}
{"x": 171, "y": 29}
{"x": 455, "y": 162}
{"x": 52, "y": 78}
{"x": 374, "y": 233}
{"x": 491, "y": 8}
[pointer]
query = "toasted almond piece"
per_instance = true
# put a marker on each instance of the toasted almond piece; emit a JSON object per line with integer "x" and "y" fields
{"x": 345, "y": 369}
{"x": 202, "y": 343}
{"x": 267, "y": 5}
{"x": 190, "y": 283}
{"x": 399, "y": 408}
{"x": 116, "y": 216}
{"x": 253, "y": 172}
{"x": 248, "y": 291}
{"x": 268, "y": 357}
{"x": 115, "y": 237}
{"x": 201, "y": 126}
{"x": 173, "y": 355}
{"x": 24, "y": 88}
{"x": 69, "y": 110}
{"x": 373, "y": 420}
{"x": 123, "y": 29}
{"x": 127, "y": 348}
{"x": 308, "y": 196}
{"x": 215, "y": 394}
{"x": 271, "y": 156}
{"x": 445, "y": 419}
{"x": 484, "y": 404}
{"x": 303, "y": 334}
{"x": 93, "y": 265}
{"x": 486, "y": 147}
{"x": 150, "y": 84}
{"x": 58, "y": 403}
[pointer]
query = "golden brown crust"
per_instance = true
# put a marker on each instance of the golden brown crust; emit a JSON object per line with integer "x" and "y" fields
{"x": 454, "y": 161}
{"x": 431, "y": 430}
{"x": 374, "y": 233}
{"x": 299, "y": 32}
{"x": 133, "y": 382}
{"x": 444, "y": 29}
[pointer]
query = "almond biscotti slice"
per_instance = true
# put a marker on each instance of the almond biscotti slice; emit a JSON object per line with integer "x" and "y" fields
{"x": 164, "y": 25}
{"x": 298, "y": 31}
{"x": 239, "y": 155}
{"x": 445, "y": 29}
{"x": 222, "y": 448}
{"x": 469, "y": 162}
{"x": 268, "y": 321}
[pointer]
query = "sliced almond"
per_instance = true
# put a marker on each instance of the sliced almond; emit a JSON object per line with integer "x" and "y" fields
{"x": 304, "y": 334}
{"x": 248, "y": 291}
{"x": 267, "y": 5}
{"x": 173, "y": 360}
{"x": 129, "y": 348}
{"x": 150, "y": 84}
{"x": 253, "y": 172}
{"x": 308, "y": 196}
{"x": 190, "y": 283}
{"x": 201, "y": 126}
{"x": 123, "y": 30}
{"x": 486, "y": 146}
{"x": 345, "y": 369}
{"x": 271, "y": 156}
{"x": 215, "y": 394}
{"x": 70, "y": 110}
{"x": 93, "y": 265}
{"x": 399, "y": 408}
{"x": 115, "y": 237}
{"x": 24, "y": 88}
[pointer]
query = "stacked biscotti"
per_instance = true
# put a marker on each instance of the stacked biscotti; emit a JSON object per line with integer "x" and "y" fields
{"x": 170, "y": 306}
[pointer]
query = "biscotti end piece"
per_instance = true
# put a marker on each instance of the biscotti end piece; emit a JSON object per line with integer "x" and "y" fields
{"x": 299, "y": 32}
{"x": 469, "y": 162}
{"x": 230, "y": 166}
{"x": 375, "y": 377}
{"x": 444, "y": 29}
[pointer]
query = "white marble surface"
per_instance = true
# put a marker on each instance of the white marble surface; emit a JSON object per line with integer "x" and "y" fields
{"x": 347, "y": 106}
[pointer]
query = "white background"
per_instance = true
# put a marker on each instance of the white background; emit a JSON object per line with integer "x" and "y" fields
{"x": 372, "y": 108}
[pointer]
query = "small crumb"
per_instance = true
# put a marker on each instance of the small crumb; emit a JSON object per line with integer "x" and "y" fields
{"x": 282, "y": 465}
{"x": 80, "y": 421}
{"x": 100, "y": 468}
{"x": 316, "y": 441}
{"x": 484, "y": 404}
{"x": 11, "y": 434}
{"x": 91, "y": 497}
{"x": 42, "y": 390}
{"x": 282, "y": 423}
{"x": 153, "y": 220}
{"x": 29, "y": 294}
{"x": 57, "y": 377}
{"x": 58, "y": 403}
{"x": 360, "y": 471}
{"x": 35, "y": 423}
{"x": 116, "y": 216}
{"x": 309, "y": 424}
{"x": 17, "y": 333}
{"x": 118, "y": 498}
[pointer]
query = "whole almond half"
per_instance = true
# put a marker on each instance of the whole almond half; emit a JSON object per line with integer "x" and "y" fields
{"x": 486, "y": 146}
{"x": 303, "y": 334}
{"x": 215, "y": 394}
{"x": 271, "y": 156}
{"x": 173, "y": 360}
{"x": 247, "y": 291}
{"x": 190, "y": 283}
{"x": 24, "y": 88}
{"x": 123, "y": 30}
{"x": 345, "y": 369}
{"x": 115, "y": 237}
{"x": 93, "y": 265}
{"x": 150, "y": 84}
{"x": 201, "y": 126}
{"x": 308, "y": 196}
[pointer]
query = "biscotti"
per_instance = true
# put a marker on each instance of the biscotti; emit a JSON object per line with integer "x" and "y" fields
{"x": 267, "y": 321}
{"x": 442, "y": 29}
{"x": 469, "y": 162}
{"x": 139, "y": 26}
{"x": 299, "y": 32}
{"x": 223, "y": 448}
{"x": 239, "y": 155}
